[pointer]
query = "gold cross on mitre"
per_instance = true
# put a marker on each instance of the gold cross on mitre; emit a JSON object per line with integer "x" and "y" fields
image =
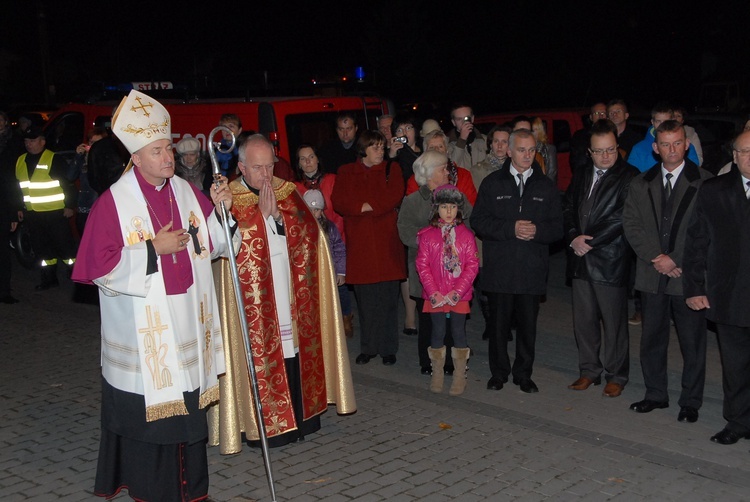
{"x": 141, "y": 106}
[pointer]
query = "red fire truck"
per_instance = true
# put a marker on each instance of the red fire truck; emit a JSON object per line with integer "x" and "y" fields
{"x": 286, "y": 121}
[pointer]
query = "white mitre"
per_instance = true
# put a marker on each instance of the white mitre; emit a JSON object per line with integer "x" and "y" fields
{"x": 140, "y": 120}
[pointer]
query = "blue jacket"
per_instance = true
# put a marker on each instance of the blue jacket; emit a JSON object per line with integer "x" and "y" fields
{"x": 642, "y": 155}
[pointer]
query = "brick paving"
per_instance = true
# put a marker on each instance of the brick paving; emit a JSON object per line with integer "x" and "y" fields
{"x": 403, "y": 444}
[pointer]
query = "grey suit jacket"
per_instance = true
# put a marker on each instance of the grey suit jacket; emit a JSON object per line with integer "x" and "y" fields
{"x": 642, "y": 216}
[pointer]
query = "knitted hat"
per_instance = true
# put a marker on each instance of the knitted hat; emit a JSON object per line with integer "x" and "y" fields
{"x": 314, "y": 199}
{"x": 188, "y": 145}
{"x": 428, "y": 126}
{"x": 140, "y": 120}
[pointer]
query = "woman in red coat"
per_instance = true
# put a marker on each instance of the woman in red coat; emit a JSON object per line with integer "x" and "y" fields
{"x": 367, "y": 194}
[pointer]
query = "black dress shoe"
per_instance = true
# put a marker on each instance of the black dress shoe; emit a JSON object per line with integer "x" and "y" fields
{"x": 410, "y": 331}
{"x": 8, "y": 299}
{"x": 527, "y": 385}
{"x": 688, "y": 414}
{"x": 647, "y": 406}
{"x": 363, "y": 359}
{"x": 426, "y": 370}
{"x": 725, "y": 436}
{"x": 389, "y": 360}
{"x": 494, "y": 383}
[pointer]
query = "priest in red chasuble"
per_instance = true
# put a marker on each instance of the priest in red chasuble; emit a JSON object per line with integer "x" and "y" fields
{"x": 292, "y": 311}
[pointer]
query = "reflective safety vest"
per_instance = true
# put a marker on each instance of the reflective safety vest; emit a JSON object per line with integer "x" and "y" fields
{"x": 41, "y": 192}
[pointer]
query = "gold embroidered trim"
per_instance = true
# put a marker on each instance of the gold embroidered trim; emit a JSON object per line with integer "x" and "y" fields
{"x": 148, "y": 131}
{"x": 209, "y": 397}
{"x": 165, "y": 410}
{"x": 282, "y": 189}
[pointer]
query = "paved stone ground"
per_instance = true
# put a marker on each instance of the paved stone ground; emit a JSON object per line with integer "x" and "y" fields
{"x": 404, "y": 443}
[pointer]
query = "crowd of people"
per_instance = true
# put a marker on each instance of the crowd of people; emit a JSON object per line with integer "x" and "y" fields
{"x": 406, "y": 212}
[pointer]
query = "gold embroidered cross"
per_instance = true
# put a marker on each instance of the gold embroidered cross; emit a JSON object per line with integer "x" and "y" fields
{"x": 141, "y": 106}
{"x": 256, "y": 293}
{"x": 156, "y": 351}
{"x": 156, "y": 327}
{"x": 276, "y": 425}
{"x": 265, "y": 367}
{"x": 308, "y": 275}
{"x": 313, "y": 347}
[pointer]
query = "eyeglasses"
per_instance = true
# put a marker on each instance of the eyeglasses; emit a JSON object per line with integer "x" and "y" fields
{"x": 599, "y": 114}
{"x": 601, "y": 151}
{"x": 743, "y": 153}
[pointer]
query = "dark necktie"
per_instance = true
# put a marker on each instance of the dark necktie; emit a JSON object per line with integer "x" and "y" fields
{"x": 520, "y": 184}
{"x": 747, "y": 190}
{"x": 599, "y": 173}
{"x": 668, "y": 186}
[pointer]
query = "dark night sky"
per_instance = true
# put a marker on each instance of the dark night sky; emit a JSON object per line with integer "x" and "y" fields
{"x": 496, "y": 54}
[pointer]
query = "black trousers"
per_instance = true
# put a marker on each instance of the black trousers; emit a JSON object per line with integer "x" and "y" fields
{"x": 377, "y": 305}
{"x": 51, "y": 235}
{"x": 594, "y": 306}
{"x": 658, "y": 310}
{"x": 503, "y": 308}
{"x": 6, "y": 257}
{"x": 734, "y": 348}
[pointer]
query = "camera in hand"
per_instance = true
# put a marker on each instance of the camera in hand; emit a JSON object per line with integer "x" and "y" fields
{"x": 401, "y": 139}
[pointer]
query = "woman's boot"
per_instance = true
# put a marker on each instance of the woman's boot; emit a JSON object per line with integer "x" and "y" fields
{"x": 460, "y": 358}
{"x": 437, "y": 357}
{"x": 348, "y": 325}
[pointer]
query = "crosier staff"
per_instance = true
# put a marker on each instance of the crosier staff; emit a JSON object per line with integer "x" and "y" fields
{"x": 241, "y": 308}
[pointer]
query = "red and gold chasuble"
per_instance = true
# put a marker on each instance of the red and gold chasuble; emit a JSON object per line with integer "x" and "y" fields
{"x": 256, "y": 279}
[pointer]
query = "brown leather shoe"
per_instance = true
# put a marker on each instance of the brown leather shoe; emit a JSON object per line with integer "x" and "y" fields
{"x": 612, "y": 389}
{"x": 584, "y": 383}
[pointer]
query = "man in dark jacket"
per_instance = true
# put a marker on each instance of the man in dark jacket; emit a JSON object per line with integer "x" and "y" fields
{"x": 657, "y": 211}
{"x": 598, "y": 262}
{"x": 517, "y": 216}
{"x": 11, "y": 201}
{"x": 106, "y": 162}
{"x": 579, "y": 142}
{"x": 716, "y": 268}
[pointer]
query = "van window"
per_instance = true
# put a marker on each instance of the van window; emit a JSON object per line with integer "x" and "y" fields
{"x": 65, "y": 133}
{"x": 315, "y": 129}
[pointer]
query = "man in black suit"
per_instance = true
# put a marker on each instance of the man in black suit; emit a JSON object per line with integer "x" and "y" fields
{"x": 342, "y": 150}
{"x": 598, "y": 262}
{"x": 517, "y": 216}
{"x": 716, "y": 271}
{"x": 657, "y": 211}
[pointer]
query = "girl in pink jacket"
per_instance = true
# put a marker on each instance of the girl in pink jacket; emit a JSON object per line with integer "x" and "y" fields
{"x": 447, "y": 263}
